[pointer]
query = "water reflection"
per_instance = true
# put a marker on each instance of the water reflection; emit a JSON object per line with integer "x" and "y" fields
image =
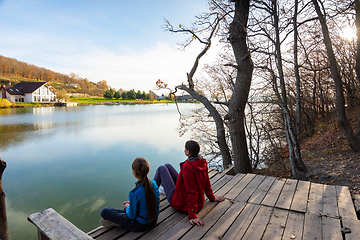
{"x": 78, "y": 160}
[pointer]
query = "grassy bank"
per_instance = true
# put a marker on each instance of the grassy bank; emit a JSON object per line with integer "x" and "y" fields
{"x": 100, "y": 100}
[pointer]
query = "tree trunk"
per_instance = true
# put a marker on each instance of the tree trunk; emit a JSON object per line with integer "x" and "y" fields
{"x": 357, "y": 67}
{"x": 351, "y": 137}
{"x": 240, "y": 94}
{"x": 297, "y": 74}
{"x": 298, "y": 167}
{"x": 220, "y": 130}
{"x": 3, "y": 219}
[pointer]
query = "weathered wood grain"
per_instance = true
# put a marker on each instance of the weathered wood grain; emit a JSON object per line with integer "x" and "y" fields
{"x": 258, "y": 225}
{"x": 312, "y": 227}
{"x": 315, "y": 202}
{"x": 250, "y": 188}
{"x": 241, "y": 224}
{"x": 236, "y": 190}
{"x": 286, "y": 195}
{"x": 276, "y": 226}
{"x": 300, "y": 200}
{"x": 332, "y": 229}
{"x": 261, "y": 191}
{"x": 330, "y": 206}
{"x": 209, "y": 220}
{"x": 54, "y": 226}
{"x": 220, "y": 227}
{"x": 273, "y": 194}
{"x": 347, "y": 213}
{"x": 294, "y": 226}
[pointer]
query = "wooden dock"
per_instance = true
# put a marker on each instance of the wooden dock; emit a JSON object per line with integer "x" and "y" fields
{"x": 257, "y": 207}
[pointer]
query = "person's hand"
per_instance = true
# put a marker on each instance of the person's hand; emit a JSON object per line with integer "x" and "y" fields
{"x": 219, "y": 199}
{"x": 197, "y": 221}
{"x": 126, "y": 204}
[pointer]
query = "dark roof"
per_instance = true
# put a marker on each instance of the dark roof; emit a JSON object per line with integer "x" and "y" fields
{"x": 24, "y": 87}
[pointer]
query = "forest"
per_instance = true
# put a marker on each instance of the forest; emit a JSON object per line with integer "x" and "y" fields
{"x": 284, "y": 68}
{"x": 13, "y": 71}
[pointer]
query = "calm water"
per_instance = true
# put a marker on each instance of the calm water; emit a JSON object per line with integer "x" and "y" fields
{"x": 78, "y": 160}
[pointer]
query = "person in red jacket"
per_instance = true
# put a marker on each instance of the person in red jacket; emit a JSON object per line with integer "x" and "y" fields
{"x": 185, "y": 191}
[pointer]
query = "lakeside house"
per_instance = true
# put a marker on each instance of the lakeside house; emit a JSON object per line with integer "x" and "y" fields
{"x": 187, "y": 98}
{"x": 29, "y": 92}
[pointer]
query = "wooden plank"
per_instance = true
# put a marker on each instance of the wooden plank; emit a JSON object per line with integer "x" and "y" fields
{"x": 241, "y": 224}
{"x": 220, "y": 183}
{"x": 165, "y": 225}
{"x": 276, "y": 226}
{"x": 114, "y": 233}
{"x": 250, "y": 188}
{"x": 229, "y": 185}
{"x": 287, "y": 194}
{"x": 261, "y": 191}
{"x": 236, "y": 190}
{"x": 294, "y": 226}
{"x": 331, "y": 229}
{"x": 312, "y": 227}
{"x": 209, "y": 220}
{"x": 164, "y": 204}
{"x": 180, "y": 228}
{"x": 215, "y": 178}
{"x": 126, "y": 234}
{"x": 220, "y": 227}
{"x": 315, "y": 201}
{"x": 301, "y": 195}
{"x": 98, "y": 231}
{"x": 347, "y": 213}
{"x": 167, "y": 219}
{"x": 330, "y": 206}
{"x": 54, "y": 226}
{"x": 213, "y": 173}
{"x": 257, "y": 227}
{"x": 273, "y": 194}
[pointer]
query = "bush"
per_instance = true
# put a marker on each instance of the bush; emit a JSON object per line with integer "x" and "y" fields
{"x": 5, "y": 103}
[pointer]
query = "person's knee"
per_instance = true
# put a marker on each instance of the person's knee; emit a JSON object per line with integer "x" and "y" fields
{"x": 168, "y": 165}
{"x": 162, "y": 168}
{"x": 105, "y": 212}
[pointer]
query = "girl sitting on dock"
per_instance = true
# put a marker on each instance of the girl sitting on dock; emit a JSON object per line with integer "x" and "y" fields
{"x": 185, "y": 191}
{"x": 141, "y": 211}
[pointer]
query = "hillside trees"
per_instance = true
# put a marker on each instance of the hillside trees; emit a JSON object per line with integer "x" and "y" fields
{"x": 20, "y": 71}
{"x": 271, "y": 22}
{"x": 352, "y": 138}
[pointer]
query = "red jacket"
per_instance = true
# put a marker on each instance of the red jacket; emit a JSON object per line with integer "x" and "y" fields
{"x": 191, "y": 183}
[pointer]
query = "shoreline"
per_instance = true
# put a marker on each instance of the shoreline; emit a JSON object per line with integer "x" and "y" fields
{"x": 82, "y": 103}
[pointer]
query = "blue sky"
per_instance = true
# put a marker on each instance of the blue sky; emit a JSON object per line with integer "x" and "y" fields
{"x": 120, "y": 41}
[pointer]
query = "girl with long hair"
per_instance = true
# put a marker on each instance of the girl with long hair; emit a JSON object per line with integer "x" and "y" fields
{"x": 141, "y": 211}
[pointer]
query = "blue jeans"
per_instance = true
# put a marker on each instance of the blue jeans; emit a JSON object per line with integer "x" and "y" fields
{"x": 166, "y": 175}
{"x": 119, "y": 216}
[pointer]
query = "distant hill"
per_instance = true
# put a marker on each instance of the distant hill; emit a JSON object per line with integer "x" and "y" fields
{"x": 13, "y": 71}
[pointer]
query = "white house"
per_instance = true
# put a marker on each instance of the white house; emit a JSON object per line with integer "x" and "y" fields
{"x": 29, "y": 92}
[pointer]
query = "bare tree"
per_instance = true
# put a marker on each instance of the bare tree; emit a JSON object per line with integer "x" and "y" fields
{"x": 241, "y": 86}
{"x": 352, "y": 138}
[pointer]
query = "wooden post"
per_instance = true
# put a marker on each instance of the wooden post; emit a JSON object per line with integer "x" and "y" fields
{"x": 4, "y": 235}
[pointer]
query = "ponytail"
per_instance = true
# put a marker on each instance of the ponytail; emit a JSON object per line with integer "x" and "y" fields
{"x": 141, "y": 168}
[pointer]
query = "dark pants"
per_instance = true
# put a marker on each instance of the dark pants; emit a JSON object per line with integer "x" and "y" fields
{"x": 119, "y": 216}
{"x": 166, "y": 175}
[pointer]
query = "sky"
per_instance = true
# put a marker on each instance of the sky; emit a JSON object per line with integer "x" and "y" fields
{"x": 121, "y": 42}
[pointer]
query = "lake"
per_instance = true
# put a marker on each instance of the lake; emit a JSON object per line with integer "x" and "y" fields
{"x": 77, "y": 160}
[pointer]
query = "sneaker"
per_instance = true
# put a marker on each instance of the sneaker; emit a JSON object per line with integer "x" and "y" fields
{"x": 161, "y": 190}
{"x": 108, "y": 224}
